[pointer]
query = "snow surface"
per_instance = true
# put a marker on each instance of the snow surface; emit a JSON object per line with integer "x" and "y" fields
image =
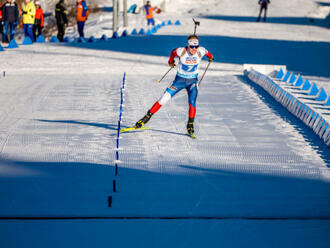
{"x": 255, "y": 176}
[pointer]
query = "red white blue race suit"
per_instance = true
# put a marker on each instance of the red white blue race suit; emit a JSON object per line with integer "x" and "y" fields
{"x": 186, "y": 77}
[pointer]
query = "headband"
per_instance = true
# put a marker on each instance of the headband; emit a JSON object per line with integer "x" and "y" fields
{"x": 193, "y": 42}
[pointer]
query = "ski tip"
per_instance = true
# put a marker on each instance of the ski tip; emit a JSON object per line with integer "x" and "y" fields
{"x": 191, "y": 136}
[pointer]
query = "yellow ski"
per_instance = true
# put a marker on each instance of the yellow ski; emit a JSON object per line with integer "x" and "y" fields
{"x": 191, "y": 135}
{"x": 129, "y": 129}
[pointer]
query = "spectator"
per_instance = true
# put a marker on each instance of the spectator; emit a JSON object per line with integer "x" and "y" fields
{"x": 10, "y": 17}
{"x": 263, "y": 6}
{"x": 61, "y": 19}
{"x": 149, "y": 13}
{"x": 82, "y": 15}
{"x": 38, "y": 21}
{"x": 29, "y": 11}
{"x": 1, "y": 26}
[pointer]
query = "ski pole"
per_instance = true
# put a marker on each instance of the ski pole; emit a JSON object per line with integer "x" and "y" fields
{"x": 196, "y": 24}
{"x": 207, "y": 67}
{"x": 165, "y": 74}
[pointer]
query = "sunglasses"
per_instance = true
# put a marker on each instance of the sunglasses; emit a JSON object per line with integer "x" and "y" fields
{"x": 194, "y": 46}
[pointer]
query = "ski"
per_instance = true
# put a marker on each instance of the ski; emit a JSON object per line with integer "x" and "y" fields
{"x": 191, "y": 135}
{"x": 129, "y": 129}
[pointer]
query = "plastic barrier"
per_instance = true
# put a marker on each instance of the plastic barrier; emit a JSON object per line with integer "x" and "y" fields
{"x": 322, "y": 96}
{"x": 115, "y": 35}
{"x": 27, "y": 41}
{"x": 299, "y": 81}
{"x": 54, "y": 39}
{"x": 66, "y": 39}
{"x": 41, "y": 39}
{"x": 292, "y": 79}
{"x": 280, "y": 74}
{"x": 149, "y": 32}
{"x": 314, "y": 90}
{"x": 12, "y": 44}
{"x": 91, "y": 39}
{"x": 286, "y": 77}
{"x": 81, "y": 40}
{"x": 124, "y": 34}
{"x": 306, "y": 85}
{"x": 301, "y": 110}
{"x": 104, "y": 37}
{"x": 177, "y": 22}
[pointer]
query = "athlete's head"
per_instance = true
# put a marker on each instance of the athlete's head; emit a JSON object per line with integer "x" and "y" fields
{"x": 193, "y": 43}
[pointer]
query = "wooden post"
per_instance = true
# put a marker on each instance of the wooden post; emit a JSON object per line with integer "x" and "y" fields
{"x": 125, "y": 14}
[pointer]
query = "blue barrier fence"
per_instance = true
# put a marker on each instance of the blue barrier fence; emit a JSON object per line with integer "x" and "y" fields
{"x": 300, "y": 109}
{"x": 116, "y": 35}
{"x": 305, "y": 86}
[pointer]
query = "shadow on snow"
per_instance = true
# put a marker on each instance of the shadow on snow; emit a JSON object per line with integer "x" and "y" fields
{"x": 305, "y": 57}
{"x": 325, "y": 23}
{"x": 76, "y": 189}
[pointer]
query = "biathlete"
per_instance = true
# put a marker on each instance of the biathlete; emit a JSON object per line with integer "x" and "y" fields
{"x": 186, "y": 78}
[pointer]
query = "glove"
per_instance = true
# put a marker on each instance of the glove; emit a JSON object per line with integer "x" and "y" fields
{"x": 211, "y": 59}
{"x": 171, "y": 64}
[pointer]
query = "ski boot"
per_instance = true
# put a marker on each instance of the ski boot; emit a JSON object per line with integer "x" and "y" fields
{"x": 190, "y": 127}
{"x": 144, "y": 120}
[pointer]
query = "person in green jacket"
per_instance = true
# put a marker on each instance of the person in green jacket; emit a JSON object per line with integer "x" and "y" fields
{"x": 29, "y": 11}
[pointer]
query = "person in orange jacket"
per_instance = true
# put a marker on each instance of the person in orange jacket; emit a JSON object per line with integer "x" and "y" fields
{"x": 1, "y": 26}
{"x": 150, "y": 13}
{"x": 38, "y": 21}
{"x": 82, "y": 15}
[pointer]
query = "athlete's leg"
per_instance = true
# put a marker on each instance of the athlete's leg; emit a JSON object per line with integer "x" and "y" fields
{"x": 177, "y": 85}
{"x": 192, "y": 97}
{"x": 260, "y": 11}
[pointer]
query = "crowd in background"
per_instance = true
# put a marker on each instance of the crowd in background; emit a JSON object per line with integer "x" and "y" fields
{"x": 30, "y": 17}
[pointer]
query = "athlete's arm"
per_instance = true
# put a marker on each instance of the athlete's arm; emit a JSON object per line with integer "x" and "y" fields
{"x": 210, "y": 56}
{"x": 172, "y": 56}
